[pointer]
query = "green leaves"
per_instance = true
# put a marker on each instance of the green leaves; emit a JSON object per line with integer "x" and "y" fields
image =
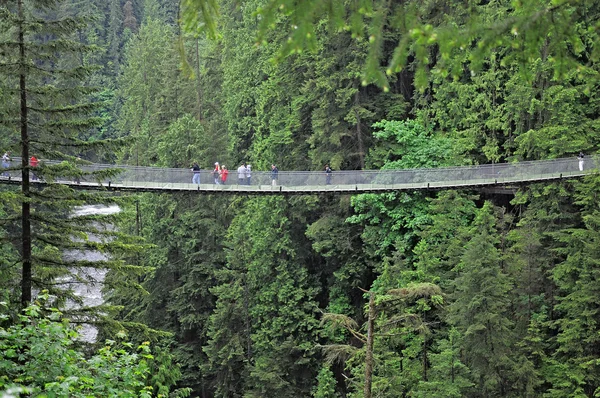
{"x": 39, "y": 355}
{"x": 471, "y": 32}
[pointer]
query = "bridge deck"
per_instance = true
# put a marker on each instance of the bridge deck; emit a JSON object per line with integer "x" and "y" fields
{"x": 148, "y": 179}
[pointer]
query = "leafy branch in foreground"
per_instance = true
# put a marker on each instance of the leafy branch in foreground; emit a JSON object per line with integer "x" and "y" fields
{"x": 529, "y": 28}
{"x": 39, "y": 356}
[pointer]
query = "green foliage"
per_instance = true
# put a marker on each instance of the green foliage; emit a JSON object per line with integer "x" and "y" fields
{"x": 391, "y": 220}
{"x": 39, "y": 356}
{"x": 151, "y": 88}
{"x": 264, "y": 322}
{"x": 471, "y": 33}
{"x": 448, "y": 376}
{"x": 325, "y": 384}
{"x": 480, "y": 310}
{"x": 573, "y": 367}
{"x": 237, "y": 282}
{"x": 183, "y": 143}
{"x": 44, "y": 68}
{"x": 407, "y": 144}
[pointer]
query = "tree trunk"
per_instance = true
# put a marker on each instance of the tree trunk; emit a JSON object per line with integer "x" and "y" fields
{"x": 369, "y": 354}
{"x": 25, "y": 205}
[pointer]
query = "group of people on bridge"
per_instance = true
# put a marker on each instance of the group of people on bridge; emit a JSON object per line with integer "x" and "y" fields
{"x": 220, "y": 174}
{"x": 6, "y": 163}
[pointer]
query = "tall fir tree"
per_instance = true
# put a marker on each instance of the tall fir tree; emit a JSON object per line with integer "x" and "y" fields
{"x": 44, "y": 71}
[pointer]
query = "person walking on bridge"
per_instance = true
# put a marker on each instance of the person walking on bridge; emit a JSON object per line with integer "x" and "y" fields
{"x": 224, "y": 174}
{"x": 328, "y": 172}
{"x": 241, "y": 172}
{"x": 274, "y": 175}
{"x": 6, "y": 163}
{"x": 33, "y": 163}
{"x": 248, "y": 173}
{"x": 217, "y": 174}
{"x": 196, "y": 171}
{"x": 580, "y": 158}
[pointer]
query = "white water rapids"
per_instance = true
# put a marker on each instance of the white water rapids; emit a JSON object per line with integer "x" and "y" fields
{"x": 89, "y": 287}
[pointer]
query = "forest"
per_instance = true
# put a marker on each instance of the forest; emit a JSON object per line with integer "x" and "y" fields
{"x": 424, "y": 294}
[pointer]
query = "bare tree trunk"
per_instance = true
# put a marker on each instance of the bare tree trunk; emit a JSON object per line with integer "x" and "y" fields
{"x": 369, "y": 353}
{"x": 25, "y": 205}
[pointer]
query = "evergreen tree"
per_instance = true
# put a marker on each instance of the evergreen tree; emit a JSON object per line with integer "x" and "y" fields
{"x": 267, "y": 292}
{"x": 480, "y": 310}
{"x": 187, "y": 251}
{"x": 573, "y": 365}
{"x": 44, "y": 67}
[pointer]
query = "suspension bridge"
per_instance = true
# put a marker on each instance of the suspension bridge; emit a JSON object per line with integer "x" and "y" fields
{"x": 156, "y": 179}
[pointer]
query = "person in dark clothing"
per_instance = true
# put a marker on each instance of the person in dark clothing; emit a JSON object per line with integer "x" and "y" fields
{"x": 328, "y": 172}
{"x": 196, "y": 171}
{"x": 274, "y": 174}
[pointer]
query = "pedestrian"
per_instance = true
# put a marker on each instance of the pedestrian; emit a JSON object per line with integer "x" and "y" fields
{"x": 224, "y": 174}
{"x": 248, "y": 173}
{"x": 274, "y": 175}
{"x": 580, "y": 157}
{"x": 217, "y": 174}
{"x": 328, "y": 172}
{"x": 33, "y": 162}
{"x": 196, "y": 171}
{"x": 241, "y": 172}
{"x": 6, "y": 163}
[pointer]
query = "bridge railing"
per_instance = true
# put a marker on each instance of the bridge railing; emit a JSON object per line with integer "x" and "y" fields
{"x": 156, "y": 177}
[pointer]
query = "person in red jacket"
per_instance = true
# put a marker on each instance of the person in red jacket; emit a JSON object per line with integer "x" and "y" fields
{"x": 224, "y": 173}
{"x": 33, "y": 162}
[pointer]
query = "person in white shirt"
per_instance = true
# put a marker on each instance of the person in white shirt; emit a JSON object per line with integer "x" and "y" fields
{"x": 6, "y": 163}
{"x": 248, "y": 173}
{"x": 580, "y": 158}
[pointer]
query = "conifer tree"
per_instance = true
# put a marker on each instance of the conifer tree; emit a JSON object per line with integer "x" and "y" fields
{"x": 480, "y": 310}
{"x": 262, "y": 328}
{"x": 573, "y": 367}
{"x": 44, "y": 70}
